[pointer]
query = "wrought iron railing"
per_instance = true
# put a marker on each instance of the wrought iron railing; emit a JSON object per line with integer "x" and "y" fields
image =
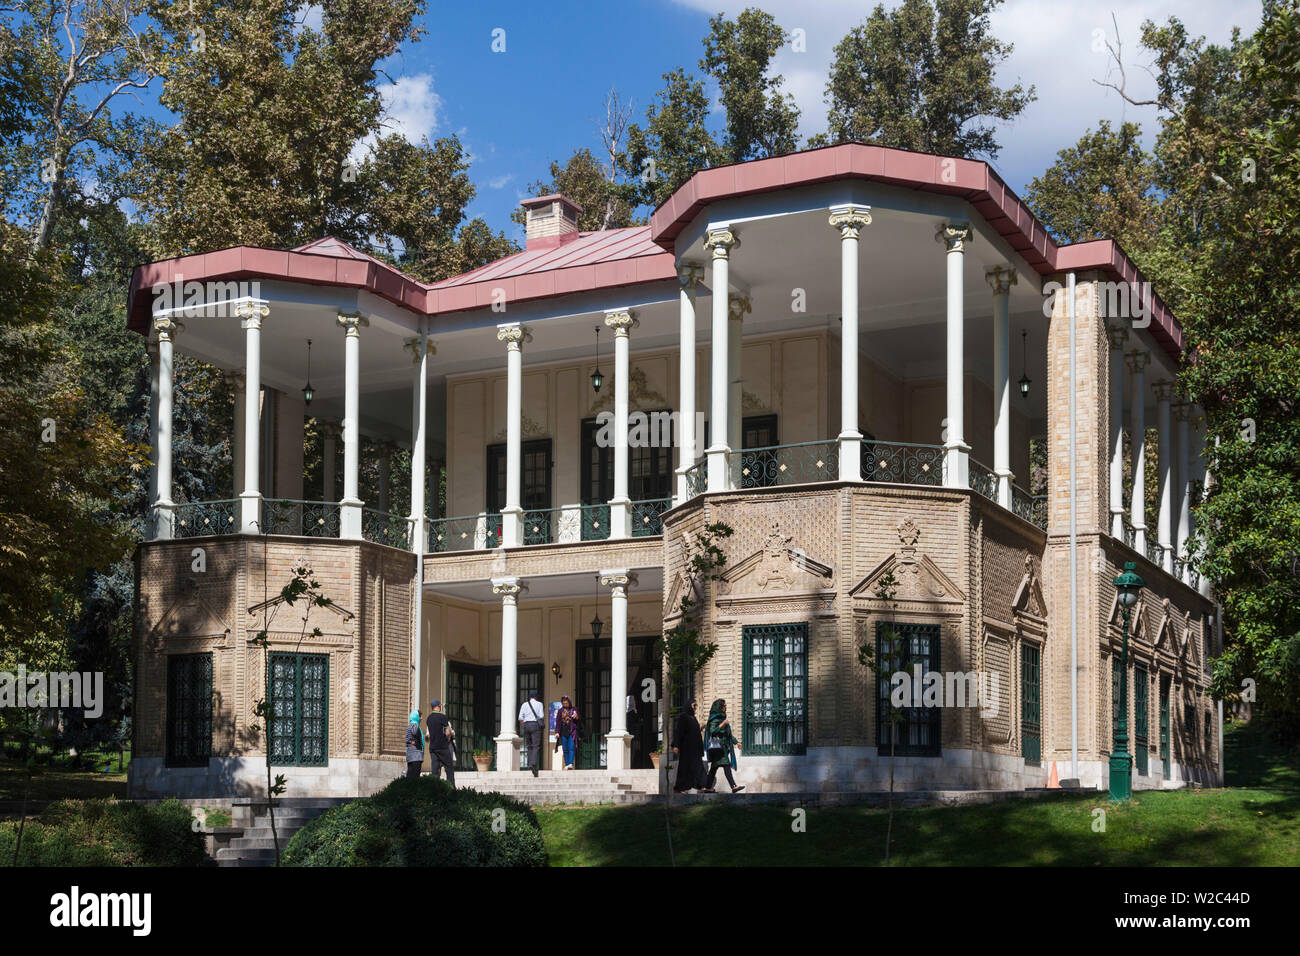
{"x": 1033, "y": 508}
{"x": 195, "y": 518}
{"x": 466, "y": 533}
{"x": 384, "y": 528}
{"x": 697, "y": 478}
{"x": 647, "y": 516}
{"x": 983, "y": 480}
{"x": 317, "y": 519}
{"x": 773, "y": 465}
{"x": 904, "y": 464}
{"x": 1130, "y": 534}
{"x": 1186, "y": 571}
{"x": 1155, "y": 554}
{"x": 538, "y": 526}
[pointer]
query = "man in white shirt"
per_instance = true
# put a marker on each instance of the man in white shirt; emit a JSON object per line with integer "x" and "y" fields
{"x": 533, "y": 717}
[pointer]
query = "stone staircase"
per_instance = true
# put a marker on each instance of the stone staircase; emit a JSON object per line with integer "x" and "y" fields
{"x": 567, "y": 786}
{"x": 254, "y": 846}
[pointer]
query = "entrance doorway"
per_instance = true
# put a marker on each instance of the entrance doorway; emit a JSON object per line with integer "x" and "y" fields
{"x": 592, "y": 698}
{"x": 473, "y": 706}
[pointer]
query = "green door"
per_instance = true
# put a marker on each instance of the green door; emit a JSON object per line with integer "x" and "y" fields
{"x": 1031, "y": 703}
{"x": 473, "y": 706}
{"x": 299, "y": 695}
{"x": 1164, "y": 724}
{"x": 1140, "y": 709}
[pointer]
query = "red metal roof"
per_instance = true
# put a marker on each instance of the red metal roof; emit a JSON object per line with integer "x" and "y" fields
{"x": 638, "y": 254}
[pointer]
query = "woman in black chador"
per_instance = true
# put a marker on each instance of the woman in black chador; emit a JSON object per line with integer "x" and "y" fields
{"x": 688, "y": 746}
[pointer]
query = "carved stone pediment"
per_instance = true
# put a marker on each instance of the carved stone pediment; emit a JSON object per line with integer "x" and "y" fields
{"x": 1029, "y": 599}
{"x": 776, "y": 568}
{"x": 1137, "y": 623}
{"x": 189, "y": 616}
{"x": 917, "y": 578}
{"x": 681, "y": 586}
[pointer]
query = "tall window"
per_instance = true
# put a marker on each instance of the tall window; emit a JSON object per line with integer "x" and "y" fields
{"x": 189, "y": 710}
{"x": 534, "y": 488}
{"x": 776, "y": 688}
{"x": 1164, "y": 724}
{"x": 901, "y": 647}
{"x": 299, "y": 696}
{"x": 1140, "y": 686}
{"x": 649, "y": 464}
{"x": 1031, "y": 703}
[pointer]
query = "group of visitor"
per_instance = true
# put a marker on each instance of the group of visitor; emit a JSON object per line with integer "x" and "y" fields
{"x": 692, "y": 745}
{"x": 442, "y": 743}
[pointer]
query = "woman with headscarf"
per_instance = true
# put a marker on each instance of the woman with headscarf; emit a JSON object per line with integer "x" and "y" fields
{"x": 721, "y": 745}
{"x": 689, "y": 749}
{"x": 567, "y": 721}
{"x": 414, "y": 745}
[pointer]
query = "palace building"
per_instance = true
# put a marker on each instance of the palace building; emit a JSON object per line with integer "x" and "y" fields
{"x": 915, "y": 411}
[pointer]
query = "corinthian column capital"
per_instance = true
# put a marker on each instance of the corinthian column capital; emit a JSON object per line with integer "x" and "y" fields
{"x": 352, "y": 324}
{"x": 690, "y": 275}
{"x": 514, "y": 336}
{"x": 850, "y": 220}
{"x": 622, "y": 321}
{"x": 739, "y": 307}
{"x": 955, "y": 235}
{"x": 1001, "y": 279}
{"x": 720, "y": 242}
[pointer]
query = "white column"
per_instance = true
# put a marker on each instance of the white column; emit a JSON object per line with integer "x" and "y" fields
{"x": 737, "y": 308}
{"x": 621, "y": 322}
{"x": 618, "y": 741}
{"x": 719, "y": 242}
{"x": 1164, "y": 431}
{"x": 421, "y": 349}
{"x": 689, "y": 275}
{"x": 1183, "y": 414}
{"x": 1137, "y": 361}
{"x": 155, "y": 368}
{"x": 512, "y": 515}
{"x": 1200, "y": 441}
{"x": 350, "y": 504}
{"x": 955, "y": 236}
{"x": 330, "y": 433}
{"x": 235, "y": 382}
{"x": 850, "y": 220}
{"x": 1117, "y": 336}
{"x": 163, "y": 506}
{"x": 251, "y": 315}
{"x": 507, "y": 740}
{"x": 1000, "y": 280}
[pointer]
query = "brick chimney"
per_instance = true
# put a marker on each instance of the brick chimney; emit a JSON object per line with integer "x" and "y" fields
{"x": 550, "y": 221}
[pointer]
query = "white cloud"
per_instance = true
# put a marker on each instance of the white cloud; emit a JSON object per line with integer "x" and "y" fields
{"x": 500, "y": 182}
{"x": 1053, "y": 52}
{"x": 411, "y": 110}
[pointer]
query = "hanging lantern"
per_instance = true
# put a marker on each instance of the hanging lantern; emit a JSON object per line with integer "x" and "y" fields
{"x": 1024, "y": 351}
{"x": 308, "y": 393}
{"x": 597, "y": 380}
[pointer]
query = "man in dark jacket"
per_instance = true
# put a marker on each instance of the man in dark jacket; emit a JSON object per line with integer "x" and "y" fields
{"x": 688, "y": 747}
{"x": 440, "y": 738}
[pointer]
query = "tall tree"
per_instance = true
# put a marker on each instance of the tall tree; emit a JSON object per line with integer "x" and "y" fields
{"x": 761, "y": 120}
{"x": 675, "y": 143}
{"x": 922, "y": 77}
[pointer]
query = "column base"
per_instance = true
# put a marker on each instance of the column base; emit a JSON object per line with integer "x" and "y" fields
{"x": 618, "y": 750}
{"x": 250, "y": 512}
{"x": 956, "y": 465}
{"x": 512, "y": 525}
{"x": 1117, "y": 524}
{"x": 719, "y": 476}
{"x": 1167, "y": 558}
{"x": 350, "y": 518}
{"x": 850, "y": 456}
{"x": 1140, "y": 539}
{"x": 164, "y": 520}
{"x": 507, "y": 751}
{"x": 620, "y": 518}
{"x": 1005, "y": 478}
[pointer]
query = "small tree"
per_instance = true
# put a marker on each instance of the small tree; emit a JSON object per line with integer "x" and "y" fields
{"x": 886, "y": 588}
{"x": 303, "y": 587}
{"x": 681, "y": 647}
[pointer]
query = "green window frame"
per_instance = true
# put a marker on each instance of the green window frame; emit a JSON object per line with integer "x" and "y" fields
{"x": 1114, "y": 700}
{"x": 1031, "y": 703}
{"x": 1141, "y": 748}
{"x": 1164, "y": 724}
{"x": 918, "y": 731}
{"x": 775, "y": 699}
{"x": 189, "y": 710}
{"x": 298, "y": 690}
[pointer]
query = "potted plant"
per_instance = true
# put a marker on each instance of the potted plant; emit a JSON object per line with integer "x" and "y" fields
{"x": 654, "y": 758}
{"x": 483, "y": 759}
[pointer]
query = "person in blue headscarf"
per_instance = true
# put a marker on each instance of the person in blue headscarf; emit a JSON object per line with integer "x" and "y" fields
{"x": 720, "y": 744}
{"x": 414, "y": 745}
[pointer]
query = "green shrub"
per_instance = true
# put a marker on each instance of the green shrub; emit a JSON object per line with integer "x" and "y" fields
{"x": 421, "y": 822}
{"x": 106, "y": 833}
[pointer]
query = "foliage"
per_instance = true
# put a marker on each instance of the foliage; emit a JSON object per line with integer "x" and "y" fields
{"x": 761, "y": 120}
{"x": 107, "y": 833}
{"x": 422, "y": 821}
{"x": 921, "y": 77}
{"x": 675, "y": 142}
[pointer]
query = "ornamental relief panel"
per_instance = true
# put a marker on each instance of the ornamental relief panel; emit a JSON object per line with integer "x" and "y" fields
{"x": 918, "y": 581}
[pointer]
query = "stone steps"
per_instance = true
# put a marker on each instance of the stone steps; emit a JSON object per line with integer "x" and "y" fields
{"x": 255, "y": 846}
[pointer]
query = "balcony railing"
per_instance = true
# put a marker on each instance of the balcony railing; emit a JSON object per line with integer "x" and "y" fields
{"x": 775, "y": 465}
{"x": 565, "y": 525}
{"x": 384, "y": 528}
{"x": 1033, "y": 508}
{"x": 697, "y": 478}
{"x": 195, "y": 518}
{"x": 314, "y": 519}
{"x": 467, "y": 533}
{"x": 647, "y": 516}
{"x": 903, "y": 464}
{"x": 983, "y": 480}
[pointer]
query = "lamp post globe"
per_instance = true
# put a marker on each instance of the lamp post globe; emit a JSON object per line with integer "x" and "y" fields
{"x": 1127, "y": 586}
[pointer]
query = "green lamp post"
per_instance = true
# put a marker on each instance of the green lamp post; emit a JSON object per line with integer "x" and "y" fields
{"x": 1127, "y": 586}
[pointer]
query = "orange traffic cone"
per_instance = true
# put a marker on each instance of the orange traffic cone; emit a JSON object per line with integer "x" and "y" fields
{"x": 1053, "y": 782}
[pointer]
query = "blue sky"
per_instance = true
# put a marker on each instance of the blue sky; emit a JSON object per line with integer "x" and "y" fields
{"x": 539, "y": 100}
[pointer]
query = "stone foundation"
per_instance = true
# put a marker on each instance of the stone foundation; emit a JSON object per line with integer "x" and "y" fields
{"x": 246, "y": 777}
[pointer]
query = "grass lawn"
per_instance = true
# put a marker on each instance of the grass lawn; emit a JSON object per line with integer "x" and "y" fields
{"x": 62, "y": 782}
{"x": 1159, "y": 828}
{"x": 1253, "y": 760}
